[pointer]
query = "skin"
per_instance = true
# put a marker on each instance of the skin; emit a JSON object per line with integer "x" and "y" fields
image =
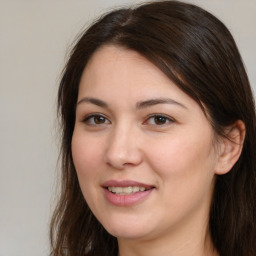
{"x": 169, "y": 145}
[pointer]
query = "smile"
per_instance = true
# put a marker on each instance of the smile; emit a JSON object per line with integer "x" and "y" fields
{"x": 126, "y": 190}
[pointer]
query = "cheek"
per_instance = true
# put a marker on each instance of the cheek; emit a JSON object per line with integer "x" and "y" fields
{"x": 86, "y": 157}
{"x": 186, "y": 173}
{"x": 86, "y": 153}
{"x": 183, "y": 159}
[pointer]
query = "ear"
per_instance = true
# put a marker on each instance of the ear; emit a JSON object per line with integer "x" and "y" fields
{"x": 230, "y": 147}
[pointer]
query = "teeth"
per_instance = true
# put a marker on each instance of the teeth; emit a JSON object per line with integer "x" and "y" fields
{"x": 126, "y": 190}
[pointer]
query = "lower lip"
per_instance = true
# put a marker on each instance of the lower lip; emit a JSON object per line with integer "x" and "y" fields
{"x": 126, "y": 200}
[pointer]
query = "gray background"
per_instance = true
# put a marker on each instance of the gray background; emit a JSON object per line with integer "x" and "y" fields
{"x": 35, "y": 36}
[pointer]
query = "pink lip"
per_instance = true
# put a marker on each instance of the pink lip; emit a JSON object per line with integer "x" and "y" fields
{"x": 126, "y": 200}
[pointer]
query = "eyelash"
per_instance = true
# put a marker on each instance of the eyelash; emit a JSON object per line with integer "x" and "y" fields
{"x": 91, "y": 120}
{"x": 167, "y": 120}
{"x": 88, "y": 119}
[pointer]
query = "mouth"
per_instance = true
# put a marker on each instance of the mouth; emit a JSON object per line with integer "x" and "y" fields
{"x": 126, "y": 192}
{"x": 129, "y": 190}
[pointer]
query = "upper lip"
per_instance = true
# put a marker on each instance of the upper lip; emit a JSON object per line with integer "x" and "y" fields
{"x": 125, "y": 183}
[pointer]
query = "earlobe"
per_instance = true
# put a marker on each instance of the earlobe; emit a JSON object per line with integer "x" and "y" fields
{"x": 230, "y": 147}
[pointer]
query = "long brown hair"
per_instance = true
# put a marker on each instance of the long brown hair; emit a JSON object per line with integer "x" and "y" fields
{"x": 197, "y": 52}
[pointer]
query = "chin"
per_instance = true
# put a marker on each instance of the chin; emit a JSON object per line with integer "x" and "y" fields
{"x": 128, "y": 230}
{"x": 127, "y": 234}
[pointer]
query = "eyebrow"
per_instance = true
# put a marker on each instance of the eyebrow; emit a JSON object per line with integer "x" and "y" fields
{"x": 152, "y": 102}
{"x": 139, "y": 105}
{"x": 94, "y": 101}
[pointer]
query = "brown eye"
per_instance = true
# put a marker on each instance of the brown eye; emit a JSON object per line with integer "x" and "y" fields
{"x": 96, "y": 120}
{"x": 159, "y": 120}
{"x": 99, "y": 120}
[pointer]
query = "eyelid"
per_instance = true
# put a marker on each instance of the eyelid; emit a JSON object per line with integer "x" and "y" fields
{"x": 86, "y": 119}
{"x": 170, "y": 119}
{"x": 93, "y": 115}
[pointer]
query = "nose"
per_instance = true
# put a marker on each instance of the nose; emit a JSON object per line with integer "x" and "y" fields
{"x": 123, "y": 148}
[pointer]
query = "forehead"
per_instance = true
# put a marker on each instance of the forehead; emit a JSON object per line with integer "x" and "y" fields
{"x": 118, "y": 69}
{"x": 112, "y": 61}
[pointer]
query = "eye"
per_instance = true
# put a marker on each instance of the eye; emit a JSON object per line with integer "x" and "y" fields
{"x": 96, "y": 119}
{"x": 159, "y": 120}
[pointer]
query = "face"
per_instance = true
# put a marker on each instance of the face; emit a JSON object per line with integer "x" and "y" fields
{"x": 143, "y": 149}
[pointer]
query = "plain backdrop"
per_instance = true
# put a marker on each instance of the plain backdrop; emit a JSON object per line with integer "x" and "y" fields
{"x": 35, "y": 36}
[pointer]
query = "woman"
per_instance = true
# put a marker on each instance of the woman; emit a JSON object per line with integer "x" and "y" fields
{"x": 158, "y": 140}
